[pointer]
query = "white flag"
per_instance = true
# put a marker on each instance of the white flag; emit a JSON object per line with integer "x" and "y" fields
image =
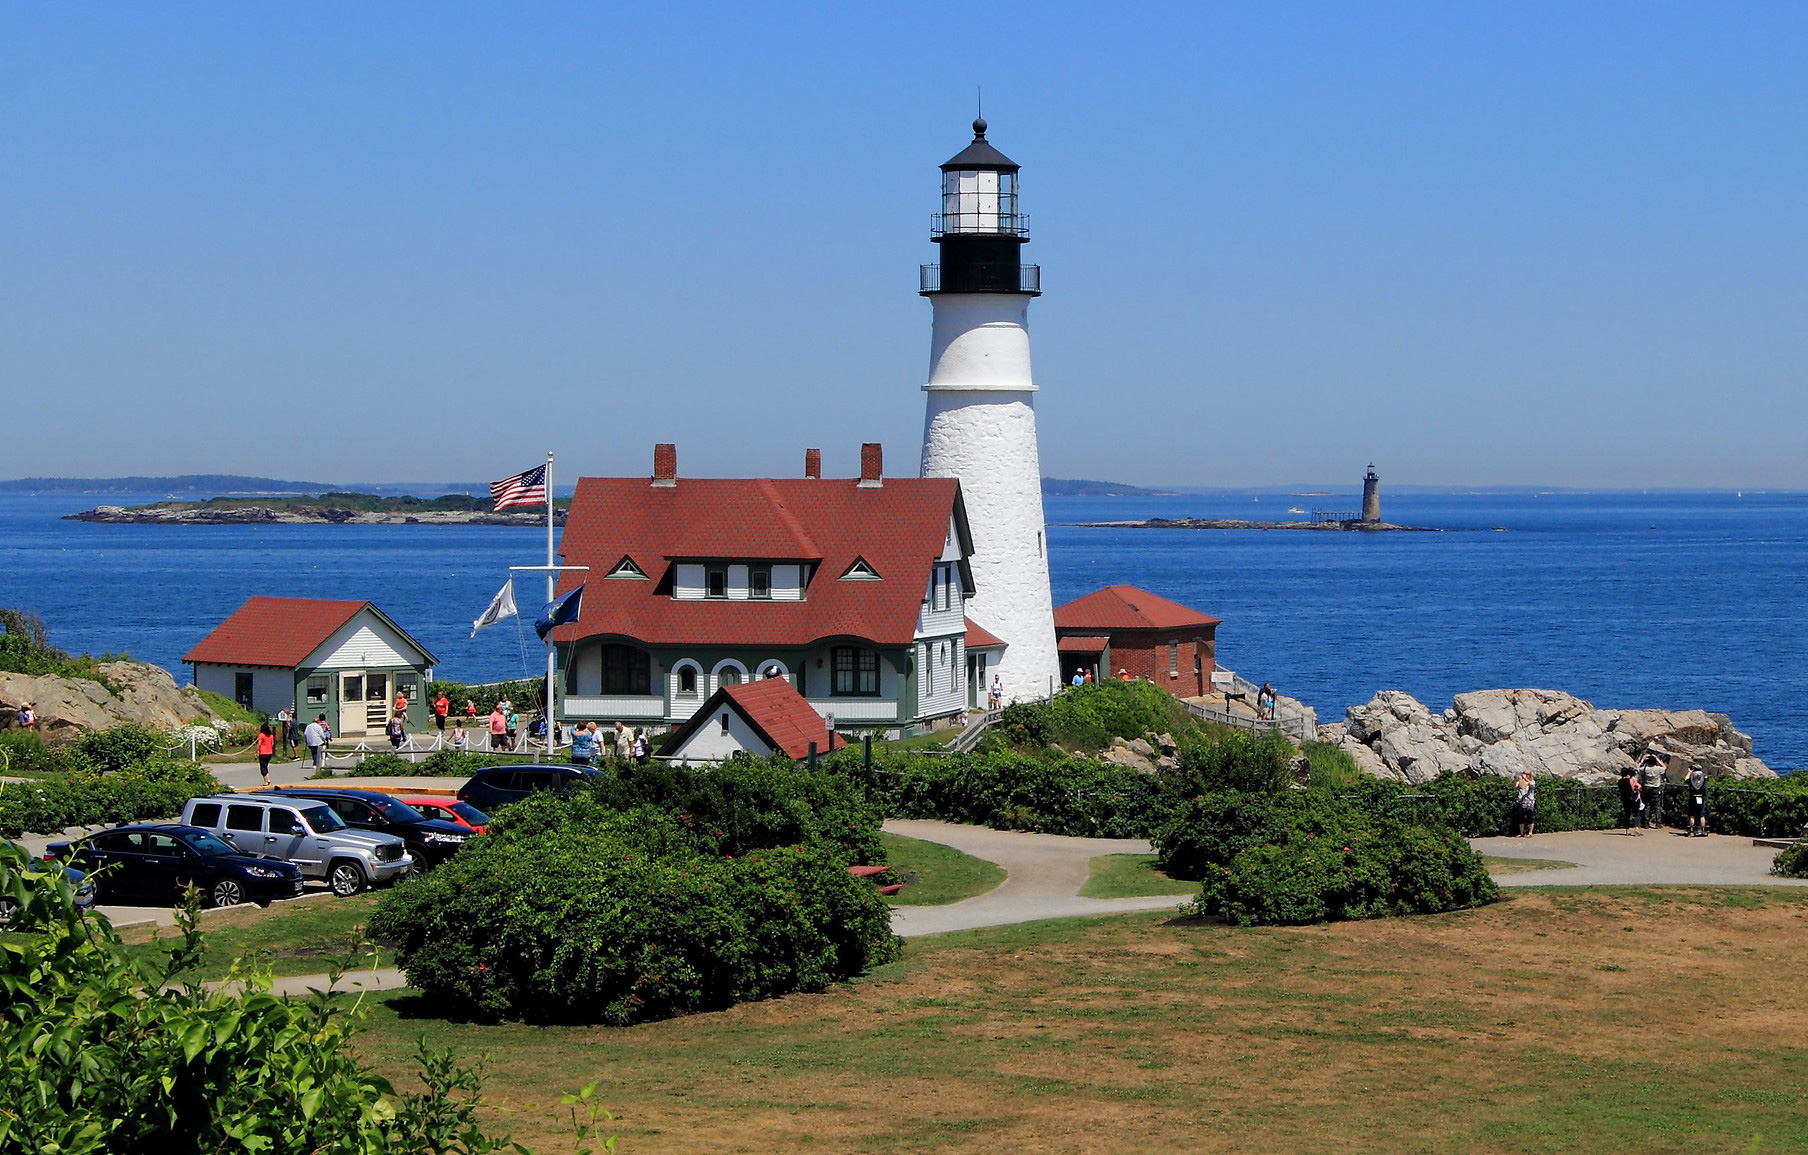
{"x": 501, "y": 606}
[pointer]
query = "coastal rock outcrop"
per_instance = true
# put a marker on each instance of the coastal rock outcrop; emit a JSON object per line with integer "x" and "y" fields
{"x": 131, "y": 692}
{"x": 1548, "y": 732}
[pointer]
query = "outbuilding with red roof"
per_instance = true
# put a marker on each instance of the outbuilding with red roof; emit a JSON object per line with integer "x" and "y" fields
{"x": 1125, "y": 629}
{"x": 758, "y": 718}
{"x": 345, "y": 659}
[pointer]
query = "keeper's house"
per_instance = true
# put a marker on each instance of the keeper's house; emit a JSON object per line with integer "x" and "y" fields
{"x": 1123, "y": 628}
{"x": 853, "y": 590}
{"x": 344, "y": 659}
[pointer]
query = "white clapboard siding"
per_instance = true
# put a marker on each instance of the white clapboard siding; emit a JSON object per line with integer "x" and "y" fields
{"x": 787, "y": 583}
{"x": 365, "y": 642}
{"x": 688, "y": 585}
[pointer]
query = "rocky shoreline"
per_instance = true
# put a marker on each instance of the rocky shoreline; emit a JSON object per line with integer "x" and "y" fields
{"x": 263, "y": 515}
{"x": 1238, "y": 523}
{"x": 1548, "y": 732}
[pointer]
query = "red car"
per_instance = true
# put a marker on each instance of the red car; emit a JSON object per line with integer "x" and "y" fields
{"x": 452, "y": 810}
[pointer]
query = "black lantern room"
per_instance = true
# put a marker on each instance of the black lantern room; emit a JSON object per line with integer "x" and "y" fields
{"x": 980, "y": 227}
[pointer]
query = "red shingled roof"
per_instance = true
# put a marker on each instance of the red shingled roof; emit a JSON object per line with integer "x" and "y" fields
{"x": 775, "y": 711}
{"x": 980, "y": 638}
{"x": 1082, "y": 644}
{"x": 1124, "y": 607}
{"x": 899, "y": 528}
{"x": 273, "y": 632}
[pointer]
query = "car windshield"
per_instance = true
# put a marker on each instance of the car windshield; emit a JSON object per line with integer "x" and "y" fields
{"x": 322, "y": 820}
{"x": 469, "y": 813}
{"x": 202, "y": 842}
{"x": 397, "y": 811}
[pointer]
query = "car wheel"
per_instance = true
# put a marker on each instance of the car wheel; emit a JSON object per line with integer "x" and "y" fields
{"x": 227, "y": 892}
{"x": 9, "y": 910}
{"x": 346, "y": 879}
{"x": 415, "y": 869}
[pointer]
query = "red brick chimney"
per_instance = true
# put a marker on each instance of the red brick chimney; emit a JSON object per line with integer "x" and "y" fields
{"x": 813, "y": 464}
{"x": 872, "y": 465}
{"x": 665, "y": 465}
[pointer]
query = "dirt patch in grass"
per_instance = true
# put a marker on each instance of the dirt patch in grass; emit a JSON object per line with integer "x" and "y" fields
{"x": 1499, "y": 865}
{"x": 1661, "y": 1020}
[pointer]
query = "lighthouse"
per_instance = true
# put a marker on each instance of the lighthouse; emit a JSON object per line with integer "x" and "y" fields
{"x": 980, "y": 418}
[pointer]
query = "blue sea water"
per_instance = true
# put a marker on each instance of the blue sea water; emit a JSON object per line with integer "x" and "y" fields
{"x": 1627, "y": 599}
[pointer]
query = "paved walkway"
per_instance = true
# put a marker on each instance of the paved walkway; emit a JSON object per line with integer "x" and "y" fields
{"x": 1044, "y": 873}
{"x": 1657, "y": 857}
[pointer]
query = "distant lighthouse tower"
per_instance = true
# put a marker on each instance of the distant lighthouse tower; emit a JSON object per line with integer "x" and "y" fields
{"x": 980, "y": 419}
{"x": 1371, "y": 495}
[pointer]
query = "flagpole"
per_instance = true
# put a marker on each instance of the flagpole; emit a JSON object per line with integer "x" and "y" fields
{"x": 552, "y": 579}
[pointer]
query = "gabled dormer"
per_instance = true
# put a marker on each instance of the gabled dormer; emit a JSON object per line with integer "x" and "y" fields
{"x": 860, "y": 570}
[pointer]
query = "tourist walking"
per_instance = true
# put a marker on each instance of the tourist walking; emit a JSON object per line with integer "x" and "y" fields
{"x": 470, "y": 708}
{"x": 442, "y": 706}
{"x": 498, "y": 728}
{"x": 1697, "y": 786}
{"x": 624, "y": 743}
{"x": 316, "y": 736}
{"x": 459, "y": 737}
{"x": 285, "y": 729}
{"x": 1265, "y": 702}
{"x": 397, "y": 731}
{"x": 1525, "y": 805}
{"x": 513, "y": 727}
{"x": 266, "y": 748}
{"x": 642, "y": 751}
{"x": 997, "y": 694}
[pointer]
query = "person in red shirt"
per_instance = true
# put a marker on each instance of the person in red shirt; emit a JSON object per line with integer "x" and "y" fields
{"x": 266, "y": 746}
{"x": 441, "y": 706}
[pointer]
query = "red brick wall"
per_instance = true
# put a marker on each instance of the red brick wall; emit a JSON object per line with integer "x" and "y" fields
{"x": 1145, "y": 655}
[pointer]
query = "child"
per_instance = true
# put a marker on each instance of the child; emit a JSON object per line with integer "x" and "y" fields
{"x": 458, "y": 737}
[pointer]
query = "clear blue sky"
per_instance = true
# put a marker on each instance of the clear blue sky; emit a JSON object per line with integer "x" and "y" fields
{"x": 1475, "y": 243}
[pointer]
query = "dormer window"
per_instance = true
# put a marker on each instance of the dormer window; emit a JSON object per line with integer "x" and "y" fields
{"x": 625, "y": 568}
{"x": 715, "y": 582}
{"x": 759, "y": 582}
{"x": 861, "y": 570}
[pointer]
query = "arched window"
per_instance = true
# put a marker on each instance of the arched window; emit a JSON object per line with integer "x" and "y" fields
{"x": 687, "y": 679}
{"x": 728, "y": 676}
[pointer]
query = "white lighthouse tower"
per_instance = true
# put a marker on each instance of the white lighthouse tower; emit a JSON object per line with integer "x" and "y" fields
{"x": 980, "y": 420}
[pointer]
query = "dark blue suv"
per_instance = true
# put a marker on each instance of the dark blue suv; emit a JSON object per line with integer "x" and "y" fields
{"x": 158, "y": 862}
{"x": 496, "y": 786}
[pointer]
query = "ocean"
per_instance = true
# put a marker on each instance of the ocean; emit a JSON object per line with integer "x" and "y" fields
{"x": 1671, "y": 600}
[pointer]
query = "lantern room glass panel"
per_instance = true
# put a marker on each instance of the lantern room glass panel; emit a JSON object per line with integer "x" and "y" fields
{"x": 979, "y": 201}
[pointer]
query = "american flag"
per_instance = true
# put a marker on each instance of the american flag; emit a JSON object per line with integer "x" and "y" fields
{"x": 522, "y": 489}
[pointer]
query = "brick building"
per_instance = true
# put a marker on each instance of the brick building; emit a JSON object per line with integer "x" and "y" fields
{"x": 1124, "y": 628}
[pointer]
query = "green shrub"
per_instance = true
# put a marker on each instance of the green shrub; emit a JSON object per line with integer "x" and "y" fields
{"x": 1325, "y": 859}
{"x": 1091, "y": 716}
{"x": 523, "y": 694}
{"x": 23, "y": 752}
{"x": 1747, "y": 807}
{"x": 572, "y": 911}
{"x": 1223, "y": 759}
{"x": 1330, "y": 766}
{"x": 115, "y": 748}
{"x": 151, "y": 790}
{"x": 104, "y": 1049}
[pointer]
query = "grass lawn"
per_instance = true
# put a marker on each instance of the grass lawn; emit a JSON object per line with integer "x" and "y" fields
{"x": 1498, "y": 865}
{"x": 292, "y": 938}
{"x": 936, "y": 874}
{"x": 1605, "y": 1020}
{"x": 1131, "y": 876}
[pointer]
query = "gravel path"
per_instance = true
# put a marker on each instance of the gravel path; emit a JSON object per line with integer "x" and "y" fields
{"x": 1044, "y": 876}
{"x": 1660, "y": 857}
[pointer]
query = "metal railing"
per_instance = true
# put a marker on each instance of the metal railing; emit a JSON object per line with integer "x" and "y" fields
{"x": 1295, "y": 726}
{"x": 1029, "y": 279}
{"x": 980, "y": 224}
{"x": 976, "y": 729}
{"x": 1320, "y": 516}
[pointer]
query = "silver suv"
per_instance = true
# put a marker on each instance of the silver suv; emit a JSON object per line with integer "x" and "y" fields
{"x": 306, "y": 833}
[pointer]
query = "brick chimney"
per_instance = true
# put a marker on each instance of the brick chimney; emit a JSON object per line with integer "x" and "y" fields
{"x": 665, "y": 465}
{"x": 813, "y": 464}
{"x": 872, "y": 465}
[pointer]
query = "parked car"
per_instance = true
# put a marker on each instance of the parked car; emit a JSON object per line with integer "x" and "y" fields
{"x": 158, "y": 862}
{"x": 496, "y": 786}
{"x": 451, "y": 810}
{"x": 430, "y": 840}
{"x": 306, "y": 833}
{"x": 79, "y": 882}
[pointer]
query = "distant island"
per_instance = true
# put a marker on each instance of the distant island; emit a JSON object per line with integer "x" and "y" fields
{"x": 332, "y": 508}
{"x": 185, "y": 483}
{"x": 1329, "y": 526}
{"x": 1074, "y": 487}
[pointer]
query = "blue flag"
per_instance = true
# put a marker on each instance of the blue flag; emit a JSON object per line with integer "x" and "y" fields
{"x": 560, "y": 612}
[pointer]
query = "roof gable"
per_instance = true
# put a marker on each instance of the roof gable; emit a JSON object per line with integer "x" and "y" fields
{"x": 268, "y": 631}
{"x": 772, "y": 708}
{"x": 900, "y": 528}
{"x": 1125, "y": 607}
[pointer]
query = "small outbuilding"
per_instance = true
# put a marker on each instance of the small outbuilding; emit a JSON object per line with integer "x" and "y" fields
{"x": 759, "y": 718}
{"x": 1123, "y": 628}
{"x": 344, "y": 659}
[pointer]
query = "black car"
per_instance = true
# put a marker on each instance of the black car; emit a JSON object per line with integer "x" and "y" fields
{"x": 430, "y": 840}
{"x": 81, "y": 888}
{"x": 496, "y": 786}
{"x": 158, "y": 862}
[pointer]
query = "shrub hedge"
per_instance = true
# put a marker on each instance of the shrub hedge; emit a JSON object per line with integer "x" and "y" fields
{"x": 572, "y": 911}
{"x": 153, "y": 789}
